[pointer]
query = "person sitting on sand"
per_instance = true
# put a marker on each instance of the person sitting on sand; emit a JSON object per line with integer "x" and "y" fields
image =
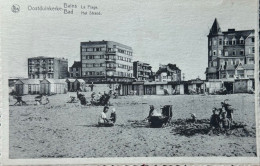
{"x": 225, "y": 122}
{"x": 150, "y": 113}
{"x": 113, "y": 115}
{"x": 103, "y": 121}
{"x": 214, "y": 119}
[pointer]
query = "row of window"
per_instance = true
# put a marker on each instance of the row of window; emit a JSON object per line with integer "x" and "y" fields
{"x": 112, "y": 57}
{"x": 38, "y": 76}
{"x": 234, "y": 41}
{"x": 125, "y": 52}
{"x": 32, "y": 61}
{"x": 235, "y": 52}
{"x": 74, "y": 69}
{"x": 102, "y": 73}
{"x": 98, "y": 49}
{"x": 90, "y": 65}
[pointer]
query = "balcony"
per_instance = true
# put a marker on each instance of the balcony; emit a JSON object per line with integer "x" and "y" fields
{"x": 110, "y": 52}
{"x": 110, "y": 60}
{"x": 110, "y": 68}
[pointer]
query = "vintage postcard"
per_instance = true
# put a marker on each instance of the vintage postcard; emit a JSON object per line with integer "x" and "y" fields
{"x": 133, "y": 82}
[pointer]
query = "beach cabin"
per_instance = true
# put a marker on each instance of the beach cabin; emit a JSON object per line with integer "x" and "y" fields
{"x": 79, "y": 84}
{"x": 53, "y": 86}
{"x": 149, "y": 88}
{"x": 70, "y": 84}
{"x": 213, "y": 85}
{"x": 243, "y": 85}
{"x": 138, "y": 87}
{"x": 27, "y": 86}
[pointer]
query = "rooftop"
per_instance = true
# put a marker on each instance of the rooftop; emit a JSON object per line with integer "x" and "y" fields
{"x": 76, "y": 64}
{"x": 45, "y": 57}
{"x": 106, "y": 42}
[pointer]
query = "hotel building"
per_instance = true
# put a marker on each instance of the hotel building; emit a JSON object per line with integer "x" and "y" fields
{"x": 47, "y": 67}
{"x": 106, "y": 61}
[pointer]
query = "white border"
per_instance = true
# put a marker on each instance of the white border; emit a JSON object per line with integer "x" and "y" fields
{"x": 4, "y": 108}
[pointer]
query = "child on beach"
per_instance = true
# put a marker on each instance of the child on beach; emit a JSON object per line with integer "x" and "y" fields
{"x": 113, "y": 115}
{"x": 225, "y": 122}
{"x": 215, "y": 119}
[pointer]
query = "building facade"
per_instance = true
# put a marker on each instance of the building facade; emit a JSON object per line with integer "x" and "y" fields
{"x": 168, "y": 73}
{"x": 75, "y": 70}
{"x": 230, "y": 54}
{"x": 142, "y": 71}
{"x": 47, "y": 67}
{"x": 106, "y": 61}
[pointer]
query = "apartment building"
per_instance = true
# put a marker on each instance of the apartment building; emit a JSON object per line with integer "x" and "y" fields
{"x": 75, "y": 70}
{"x": 142, "y": 71}
{"x": 106, "y": 61}
{"x": 168, "y": 73}
{"x": 47, "y": 67}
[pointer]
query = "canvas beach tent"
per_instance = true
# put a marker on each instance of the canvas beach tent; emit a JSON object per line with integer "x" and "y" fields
{"x": 27, "y": 86}
{"x": 53, "y": 86}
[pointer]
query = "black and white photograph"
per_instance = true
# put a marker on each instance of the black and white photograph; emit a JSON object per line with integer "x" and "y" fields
{"x": 130, "y": 79}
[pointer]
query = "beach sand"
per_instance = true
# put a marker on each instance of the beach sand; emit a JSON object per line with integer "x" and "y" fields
{"x": 68, "y": 130}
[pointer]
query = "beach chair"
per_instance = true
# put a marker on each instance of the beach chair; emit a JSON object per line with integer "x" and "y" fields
{"x": 19, "y": 100}
{"x": 164, "y": 119}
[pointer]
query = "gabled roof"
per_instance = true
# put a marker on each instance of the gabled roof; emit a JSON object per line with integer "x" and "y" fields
{"x": 29, "y": 81}
{"x": 238, "y": 34}
{"x": 55, "y": 81}
{"x": 215, "y": 29}
{"x": 76, "y": 64}
{"x": 70, "y": 80}
{"x": 80, "y": 80}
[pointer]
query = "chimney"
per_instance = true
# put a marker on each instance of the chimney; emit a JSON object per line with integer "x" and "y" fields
{"x": 231, "y": 30}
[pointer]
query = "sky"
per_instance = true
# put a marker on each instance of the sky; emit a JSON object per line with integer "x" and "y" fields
{"x": 160, "y": 32}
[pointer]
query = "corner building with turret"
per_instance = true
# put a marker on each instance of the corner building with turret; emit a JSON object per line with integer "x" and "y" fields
{"x": 230, "y": 54}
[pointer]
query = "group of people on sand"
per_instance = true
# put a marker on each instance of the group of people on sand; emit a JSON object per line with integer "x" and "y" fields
{"x": 222, "y": 118}
{"x": 40, "y": 100}
{"x": 103, "y": 121}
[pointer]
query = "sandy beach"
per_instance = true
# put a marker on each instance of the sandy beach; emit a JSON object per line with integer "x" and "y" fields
{"x": 68, "y": 130}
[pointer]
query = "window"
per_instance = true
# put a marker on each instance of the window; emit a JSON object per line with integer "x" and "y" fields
{"x": 219, "y": 52}
{"x": 209, "y": 42}
{"x": 234, "y": 52}
{"x": 241, "y": 52}
{"x": 214, "y": 64}
{"x": 96, "y": 65}
{"x": 253, "y": 39}
{"x": 214, "y": 52}
{"x": 101, "y": 56}
{"x": 226, "y": 41}
{"x": 83, "y": 49}
{"x": 98, "y": 49}
{"x": 233, "y": 41}
{"x": 241, "y": 40}
{"x": 253, "y": 49}
{"x": 220, "y": 41}
{"x": 226, "y": 53}
{"x": 214, "y": 42}
{"x": 90, "y": 49}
